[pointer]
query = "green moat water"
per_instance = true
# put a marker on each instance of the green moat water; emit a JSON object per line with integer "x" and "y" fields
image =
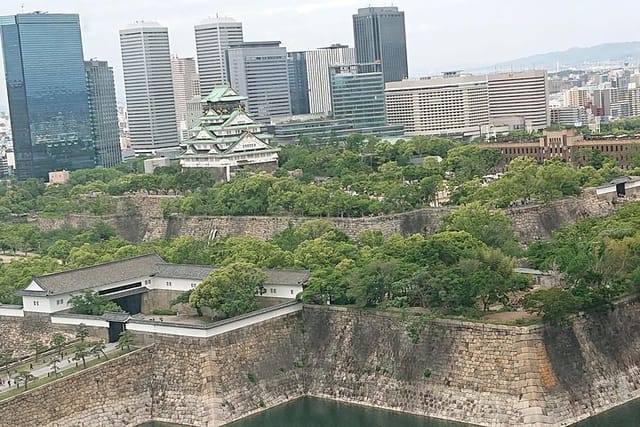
{"x": 324, "y": 413}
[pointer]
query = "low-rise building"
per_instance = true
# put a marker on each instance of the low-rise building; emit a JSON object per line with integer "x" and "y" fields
{"x": 59, "y": 177}
{"x": 135, "y": 282}
{"x": 567, "y": 145}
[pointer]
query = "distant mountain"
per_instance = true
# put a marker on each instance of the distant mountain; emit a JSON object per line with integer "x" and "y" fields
{"x": 577, "y": 56}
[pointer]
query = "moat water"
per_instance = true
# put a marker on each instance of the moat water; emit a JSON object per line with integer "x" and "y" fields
{"x": 324, "y": 413}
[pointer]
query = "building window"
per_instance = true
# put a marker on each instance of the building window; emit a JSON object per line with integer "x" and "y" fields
{"x": 291, "y": 291}
{"x": 60, "y": 302}
{"x": 37, "y": 303}
{"x": 168, "y": 284}
{"x": 193, "y": 285}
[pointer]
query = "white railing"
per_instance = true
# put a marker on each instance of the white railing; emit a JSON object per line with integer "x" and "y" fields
{"x": 213, "y": 329}
{"x": 77, "y": 319}
{"x": 11, "y": 311}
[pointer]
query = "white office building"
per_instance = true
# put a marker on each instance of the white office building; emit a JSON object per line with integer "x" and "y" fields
{"x": 468, "y": 105}
{"x": 457, "y": 105}
{"x": 213, "y": 37}
{"x": 523, "y": 95}
{"x": 146, "y": 64}
{"x": 186, "y": 86}
{"x": 318, "y": 62}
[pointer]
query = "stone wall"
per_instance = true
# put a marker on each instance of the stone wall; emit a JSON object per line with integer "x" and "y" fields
{"x": 17, "y": 333}
{"x": 476, "y": 373}
{"x": 116, "y": 393}
{"x": 146, "y": 222}
{"x": 181, "y": 380}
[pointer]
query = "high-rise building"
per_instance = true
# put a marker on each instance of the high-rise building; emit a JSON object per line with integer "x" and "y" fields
{"x": 47, "y": 91}
{"x": 379, "y": 36}
{"x": 258, "y": 70}
{"x": 522, "y": 95}
{"x": 213, "y": 37}
{"x": 298, "y": 82}
{"x": 104, "y": 112}
{"x": 317, "y": 63}
{"x": 146, "y": 64}
{"x": 357, "y": 92}
{"x": 186, "y": 86}
{"x": 453, "y": 104}
{"x": 577, "y": 97}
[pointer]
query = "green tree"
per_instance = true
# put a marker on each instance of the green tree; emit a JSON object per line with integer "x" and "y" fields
{"x": 91, "y": 303}
{"x": 82, "y": 350}
{"x": 554, "y": 304}
{"x": 82, "y": 332}
{"x": 54, "y": 365}
{"x": 97, "y": 349}
{"x": 6, "y": 358}
{"x": 125, "y": 340}
{"x": 491, "y": 227}
{"x": 37, "y": 347}
{"x": 25, "y": 377}
{"x": 231, "y": 290}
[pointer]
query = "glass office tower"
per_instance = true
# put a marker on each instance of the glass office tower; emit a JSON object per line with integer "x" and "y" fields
{"x": 357, "y": 93}
{"x": 47, "y": 91}
{"x": 379, "y": 36}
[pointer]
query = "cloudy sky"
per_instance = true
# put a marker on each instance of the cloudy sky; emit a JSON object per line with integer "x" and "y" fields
{"x": 441, "y": 34}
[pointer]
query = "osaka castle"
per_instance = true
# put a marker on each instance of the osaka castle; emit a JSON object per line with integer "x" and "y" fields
{"x": 225, "y": 139}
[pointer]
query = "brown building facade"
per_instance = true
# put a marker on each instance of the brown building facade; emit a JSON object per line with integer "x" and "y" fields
{"x": 566, "y": 144}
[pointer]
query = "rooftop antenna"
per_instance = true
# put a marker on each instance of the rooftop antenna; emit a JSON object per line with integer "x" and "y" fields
{"x": 22, "y": 7}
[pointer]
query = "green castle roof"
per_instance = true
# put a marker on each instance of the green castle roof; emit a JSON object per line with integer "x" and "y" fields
{"x": 222, "y": 94}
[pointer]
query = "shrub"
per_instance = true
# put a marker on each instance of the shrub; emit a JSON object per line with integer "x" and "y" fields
{"x": 164, "y": 312}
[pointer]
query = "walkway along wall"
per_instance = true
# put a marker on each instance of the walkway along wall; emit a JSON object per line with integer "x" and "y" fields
{"x": 147, "y": 222}
{"x": 483, "y": 374}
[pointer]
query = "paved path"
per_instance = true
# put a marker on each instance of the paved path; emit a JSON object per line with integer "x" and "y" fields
{"x": 43, "y": 370}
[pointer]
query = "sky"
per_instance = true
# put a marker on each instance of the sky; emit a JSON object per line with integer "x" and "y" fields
{"x": 442, "y": 35}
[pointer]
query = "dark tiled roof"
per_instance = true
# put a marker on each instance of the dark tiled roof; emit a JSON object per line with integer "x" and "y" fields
{"x": 200, "y": 272}
{"x": 99, "y": 275}
{"x": 145, "y": 265}
{"x": 184, "y": 271}
{"x": 286, "y": 277}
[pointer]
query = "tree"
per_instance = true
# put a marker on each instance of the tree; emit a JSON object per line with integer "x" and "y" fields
{"x": 91, "y": 303}
{"x": 82, "y": 350}
{"x": 37, "y": 347}
{"x": 231, "y": 290}
{"x": 82, "y": 332}
{"x": 26, "y": 377}
{"x": 125, "y": 340}
{"x": 491, "y": 227}
{"x": 6, "y": 358}
{"x": 97, "y": 348}
{"x": 554, "y": 304}
{"x": 54, "y": 365}
{"x": 58, "y": 342}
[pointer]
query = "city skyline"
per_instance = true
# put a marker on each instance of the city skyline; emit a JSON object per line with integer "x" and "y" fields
{"x": 476, "y": 35}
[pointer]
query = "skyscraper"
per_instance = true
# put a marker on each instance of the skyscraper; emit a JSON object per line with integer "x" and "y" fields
{"x": 318, "y": 63}
{"x": 258, "y": 70}
{"x": 47, "y": 91}
{"x": 298, "y": 82}
{"x": 146, "y": 64}
{"x": 104, "y": 112}
{"x": 212, "y": 38}
{"x": 357, "y": 93}
{"x": 379, "y": 36}
{"x": 186, "y": 86}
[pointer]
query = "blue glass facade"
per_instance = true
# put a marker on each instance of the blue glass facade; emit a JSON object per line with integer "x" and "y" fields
{"x": 47, "y": 91}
